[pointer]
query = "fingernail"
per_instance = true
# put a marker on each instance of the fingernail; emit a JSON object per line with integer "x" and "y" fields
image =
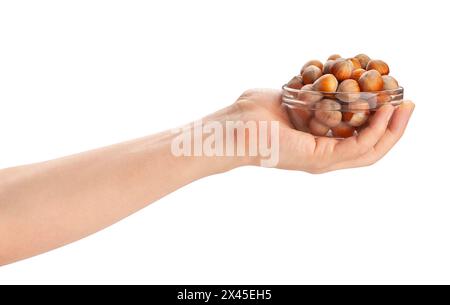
{"x": 409, "y": 106}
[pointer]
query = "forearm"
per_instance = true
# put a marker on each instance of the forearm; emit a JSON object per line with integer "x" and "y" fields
{"x": 46, "y": 205}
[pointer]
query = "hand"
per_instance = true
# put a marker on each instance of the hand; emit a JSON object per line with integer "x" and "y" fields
{"x": 302, "y": 151}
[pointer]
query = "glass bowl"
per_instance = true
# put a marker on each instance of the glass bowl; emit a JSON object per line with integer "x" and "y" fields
{"x": 337, "y": 114}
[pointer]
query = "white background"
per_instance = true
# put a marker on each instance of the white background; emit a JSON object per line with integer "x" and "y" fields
{"x": 76, "y": 75}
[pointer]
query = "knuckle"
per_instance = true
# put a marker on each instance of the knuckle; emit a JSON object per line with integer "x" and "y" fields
{"x": 363, "y": 149}
{"x": 245, "y": 105}
{"x": 247, "y": 94}
{"x": 372, "y": 161}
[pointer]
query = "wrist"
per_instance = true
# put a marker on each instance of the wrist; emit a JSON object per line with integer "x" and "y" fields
{"x": 234, "y": 138}
{"x": 210, "y": 144}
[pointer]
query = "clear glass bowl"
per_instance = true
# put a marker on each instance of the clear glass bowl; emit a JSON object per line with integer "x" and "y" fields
{"x": 338, "y": 114}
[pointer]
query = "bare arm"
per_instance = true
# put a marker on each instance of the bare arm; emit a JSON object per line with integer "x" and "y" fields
{"x": 46, "y": 205}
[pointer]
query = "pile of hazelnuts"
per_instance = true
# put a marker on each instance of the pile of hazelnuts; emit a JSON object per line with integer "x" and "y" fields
{"x": 339, "y": 97}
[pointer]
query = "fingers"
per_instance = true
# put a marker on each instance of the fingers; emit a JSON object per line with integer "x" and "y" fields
{"x": 354, "y": 147}
{"x": 393, "y": 133}
{"x": 369, "y": 136}
{"x": 395, "y": 130}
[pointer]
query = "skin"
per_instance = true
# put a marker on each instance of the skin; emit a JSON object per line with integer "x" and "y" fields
{"x": 47, "y": 205}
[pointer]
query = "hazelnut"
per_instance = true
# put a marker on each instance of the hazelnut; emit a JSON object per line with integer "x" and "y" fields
{"x": 380, "y": 99}
{"x": 363, "y": 60}
{"x": 308, "y": 95}
{"x": 378, "y": 65}
{"x": 311, "y": 74}
{"x": 389, "y": 83}
{"x": 343, "y": 130}
{"x": 300, "y": 117}
{"x": 371, "y": 81}
{"x": 356, "y": 113}
{"x": 355, "y": 119}
{"x": 376, "y": 99}
{"x": 326, "y": 83}
{"x": 328, "y": 112}
{"x": 334, "y": 57}
{"x": 327, "y": 66}
{"x": 313, "y": 62}
{"x": 355, "y": 62}
{"x": 295, "y": 83}
{"x": 317, "y": 128}
{"x": 367, "y": 123}
{"x": 350, "y": 89}
{"x": 342, "y": 70}
{"x": 356, "y": 74}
